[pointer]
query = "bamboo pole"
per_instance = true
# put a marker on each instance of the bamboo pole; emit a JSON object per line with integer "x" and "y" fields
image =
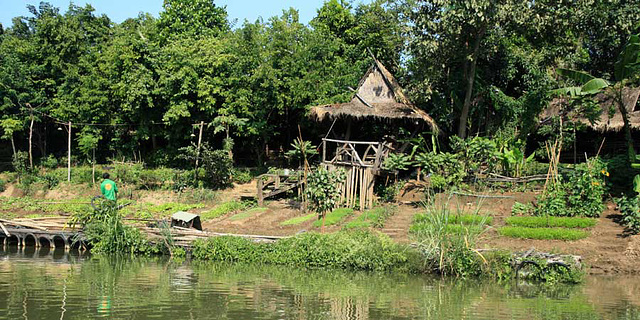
{"x": 30, "y": 141}
{"x": 69, "y": 155}
{"x": 199, "y": 142}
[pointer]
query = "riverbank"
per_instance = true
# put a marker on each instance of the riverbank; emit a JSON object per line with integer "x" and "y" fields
{"x": 606, "y": 250}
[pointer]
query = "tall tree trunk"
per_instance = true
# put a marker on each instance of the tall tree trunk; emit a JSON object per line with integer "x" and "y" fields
{"x": 625, "y": 119}
{"x": 470, "y": 78}
{"x": 30, "y": 143}
{"x": 13, "y": 146}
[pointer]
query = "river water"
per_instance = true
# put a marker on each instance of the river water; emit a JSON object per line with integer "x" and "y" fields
{"x": 59, "y": 285}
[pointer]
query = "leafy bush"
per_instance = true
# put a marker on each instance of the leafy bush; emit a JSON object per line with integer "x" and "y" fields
{"x": 579, "y": 194}
{"x": 522, "y": 208}
{"x": 443, "y": 165}
{"x": 356, "y": 250}
{"x": 50, "y": 162}
{"x": 241, "y": 176}
{"x": 334, "y": 217}
{"x": 217, "y": 165}
{"x": 629, "y": 207}
{"x": 477, "y": 153}
{"x": 543, "y": 233}
{"x": 388, "y": 193}
{"x": 323, "y": 191}
{"x": 397, "y": 162}
{"x": 3, "y": 185}
{"x": 544, "y": 222}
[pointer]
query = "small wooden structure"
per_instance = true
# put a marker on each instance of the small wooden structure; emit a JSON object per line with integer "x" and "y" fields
{"x": 378, "y": 97}
{"x": 186, "y": 220}
{"x": 270, "y": 185}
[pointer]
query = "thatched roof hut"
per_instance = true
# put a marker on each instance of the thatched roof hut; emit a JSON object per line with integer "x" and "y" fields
{"x": 378, "y": 96}
{"x": 606, "y": 122}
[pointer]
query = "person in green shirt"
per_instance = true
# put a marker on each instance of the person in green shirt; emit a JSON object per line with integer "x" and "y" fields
{"x": 108, "y": 188}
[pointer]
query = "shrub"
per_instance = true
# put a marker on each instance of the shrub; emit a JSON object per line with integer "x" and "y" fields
{"x": 444, "y": 165}
{"x": 334, "y": 217}
{"x": 578, "y": 194}
{"x": 629, "y": 207}
{"x": 388, "y": 193}
{"x": 543, "y": 222}
{"x": 543, "y": 233}
{"x": 3, "y": 185}
{"x": 522, "y": 208}
{"x": 241, "y": 176}
{"x": 323, "y": 191}
{"x": 216, "y": 164}
{"x": 49, "y": 162}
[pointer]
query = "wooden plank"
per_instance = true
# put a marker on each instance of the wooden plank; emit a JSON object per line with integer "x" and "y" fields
{"x": 5, "y": 230}
{"x": 353, "y": 142}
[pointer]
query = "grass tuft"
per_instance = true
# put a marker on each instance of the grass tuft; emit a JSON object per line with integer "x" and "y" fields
{"x": 247, "y": 214}
{"x": 298, "y": 220}
{"x": 467, "y": 219}
{"x": 548, "y": 222}
{"x": 222, "y": 209}
{"x": 334, "y": 217}
{"x": 543, "y": 233}
{"x": 372, "y": 218}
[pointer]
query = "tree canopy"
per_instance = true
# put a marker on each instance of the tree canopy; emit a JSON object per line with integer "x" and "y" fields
{"x": 140, "y": 87}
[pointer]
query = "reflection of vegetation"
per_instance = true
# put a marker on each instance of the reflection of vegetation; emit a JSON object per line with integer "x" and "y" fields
{"x": 253, "y": 290}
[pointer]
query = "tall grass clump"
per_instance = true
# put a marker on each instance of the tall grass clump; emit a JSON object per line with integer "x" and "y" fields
{"x": 105, "y": 231}
{"x": 448, "y": 247}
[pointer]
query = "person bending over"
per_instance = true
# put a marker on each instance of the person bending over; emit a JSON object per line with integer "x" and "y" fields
{"x": 108, "y": 188}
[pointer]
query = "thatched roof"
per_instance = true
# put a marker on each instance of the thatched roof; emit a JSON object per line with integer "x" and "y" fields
{"x": 378, "y": 96}
{"x": 605, "y": 122}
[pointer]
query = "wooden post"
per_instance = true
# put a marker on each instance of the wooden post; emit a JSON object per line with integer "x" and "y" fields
{"x": 69, "y": 155}
{"x": 93, "y": 166}
{"x": 324, "y": 150}
{"x": 30, "y": 143}
{"x": 199, "y": 142}
{"x": 260, "y": 195}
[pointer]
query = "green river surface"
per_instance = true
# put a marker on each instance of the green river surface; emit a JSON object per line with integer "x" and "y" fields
{"x": 58, "y": 285}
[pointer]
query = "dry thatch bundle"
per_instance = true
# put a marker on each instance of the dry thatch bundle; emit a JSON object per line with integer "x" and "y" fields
{"x": 378, "y": 96}
{"x": 606, "y": 122}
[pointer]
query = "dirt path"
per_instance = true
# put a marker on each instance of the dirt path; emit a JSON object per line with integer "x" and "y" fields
{"x": 397, "y": 226}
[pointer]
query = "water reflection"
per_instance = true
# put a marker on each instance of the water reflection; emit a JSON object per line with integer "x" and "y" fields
{"x": 50, "y": 284}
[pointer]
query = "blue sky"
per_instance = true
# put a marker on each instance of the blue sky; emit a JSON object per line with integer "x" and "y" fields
{"x": 119, "y": 10}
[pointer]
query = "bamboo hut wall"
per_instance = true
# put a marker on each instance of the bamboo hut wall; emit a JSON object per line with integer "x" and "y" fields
{"x": 357, "y": 188}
